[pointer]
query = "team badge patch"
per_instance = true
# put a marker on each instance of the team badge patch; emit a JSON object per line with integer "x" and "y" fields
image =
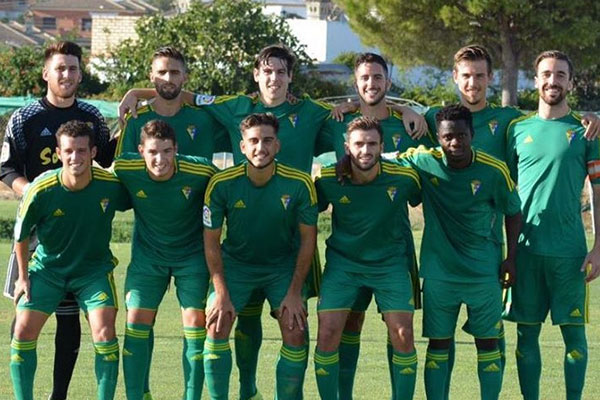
{"x": 104, "y": 204}
{"x": 570, "y": 135}
{"x": 493, "y": 126}
{"x": 285, "y": 200}
{"x": 475, "y": 186}
{"x": 192, "y": 131}
{"x": 391, "y": 191}
{"x": 5, "y": 152}
{"x": 293, "y": 119}
{"x": 207, "y": 216}
{"x": 186, "y": 190}
{"x": 204, "y": 99}
{"x": 397, "y": 139}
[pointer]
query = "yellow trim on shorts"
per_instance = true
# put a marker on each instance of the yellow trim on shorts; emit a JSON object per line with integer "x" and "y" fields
{"x": 113, "y": 288}
{"x": 335, "y": 310}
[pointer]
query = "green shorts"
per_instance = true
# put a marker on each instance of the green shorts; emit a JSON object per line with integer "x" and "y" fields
{"x": 441, "y": 305}
{"x": 244, "y": 283}
{"x": 45, "y": 293}
{"x": 393, "y": 290}
{"x": 553, "y": 284}
{"x": 146, "y": 284}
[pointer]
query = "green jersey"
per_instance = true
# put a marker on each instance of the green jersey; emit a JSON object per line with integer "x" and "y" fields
{"x": 460, "y": 208}
{"x": 198, "y": 134}
{"x": 168, "y": 214}
{"x": 299, "y": 125}
{"x": 395, "y": 137}
{"x": 369, "y": 222}
{"x": 490, "y": 125}
{"x": 550, "y": 160}
{"x": 262, "y": 221}
{"x": 73, "y": 227}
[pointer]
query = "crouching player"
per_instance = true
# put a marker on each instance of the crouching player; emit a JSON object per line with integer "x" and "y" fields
{"x": 267, "y": 206}
{"x": 367, "y": 250}
{"x": 72, "y": 209}
{"x": 167, "y": 191}
{"x": 461, "y": 256}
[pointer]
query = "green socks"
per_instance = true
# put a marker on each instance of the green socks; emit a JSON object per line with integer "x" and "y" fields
{"x": 147, "y": 395}
{"x": 405, "y": 374}
{"x": 136, "y": 354}
{"x": 529, "y": 361}
{"x": 390, "y": 358}
{"x": 248, "y": 338}
{"x": 107, "y": 368}
{"x": 217, "y": 367}
{"x": 576, "y": 358}
{"x": 327, "y": 370}
{"x": 451, "y": 356}
{"x": 23, "y": 362}
{"x": 436, "y": 373}
{"x": 348, "y": 351}
{"x": 291, "y": 366}
{"x": 489, "y": 370}
{"x": 193, "y": 362}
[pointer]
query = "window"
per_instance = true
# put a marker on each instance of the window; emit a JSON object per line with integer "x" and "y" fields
{"x": 48, "y": 23}
{"x": 86, "y": 24}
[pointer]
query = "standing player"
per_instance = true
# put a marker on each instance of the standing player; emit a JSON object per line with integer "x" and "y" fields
{"x": 260, "y": 198}
{"x": 463, "y": 191}
{"x": 72, "y": 209}
{"x": 27, "y": 151}
{"x": 165, "y": 245}
{"x": 367, "y": 251}
{"x": 550, "y": 158}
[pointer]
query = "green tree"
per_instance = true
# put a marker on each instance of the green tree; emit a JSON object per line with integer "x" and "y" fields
{"x": 429, "y": 31}
{"x": 219, "y": 42}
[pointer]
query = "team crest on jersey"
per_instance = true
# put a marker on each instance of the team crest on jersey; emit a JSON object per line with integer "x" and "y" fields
{"x": 285, "y": 200}
{"x": 207, "y": 216}
{"x": 475, "y": 186}
{"x": 192, "y": 131}
{"x": 186, "y": 190}
{"x": 5, "y": 152}
{"x": 493, "y": 126}
{"x": 397, "y": 139}
{"x": 104, "y": 204}
{"x": 293, "y": 119}
{"x": 391, "y": 191}
{"x": 570, "y": 135}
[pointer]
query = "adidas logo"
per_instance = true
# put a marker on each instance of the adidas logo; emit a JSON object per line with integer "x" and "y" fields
{"x": 197, "y": 357}
{"x": 575, "y": 313}
{"x": 574, "y": 355}
{"x": 212, "y": 357}
{"x": 528, "y": 139}
{"x": 239, "y": 204}
{"x": 141, "y": 195}
{"x": 111, "y": 357}
{"x": 492, "y": 368}
{"x": 102, "y": 296}
{"x": 432, "y": 365}
{"x": 407, "y": 371}
{"x": 321, "y": 372}
{"x": 16, "y": 358}
{"x": 126, "y": 352}
{"x": 46, "y": 132}
{"x": 58, "y": 213}
{"x": 345, "y": 200}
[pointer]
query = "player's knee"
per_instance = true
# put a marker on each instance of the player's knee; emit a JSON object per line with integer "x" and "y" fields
{"x": 103, "y": 332}
{"x": 293, "y": 337}
{"x": 440, "y": 344}
{"x": 329, "y": 336}
{"x": 486, "y": 344}
{"x": 355, "y": 321}
{"x": 24, "y": 331}
{"x": 193, "y": 318}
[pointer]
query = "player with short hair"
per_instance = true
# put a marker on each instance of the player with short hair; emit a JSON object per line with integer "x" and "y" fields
{"x": 368, "y": 251}
{"x": 550, "y": 160}
{"x": 166, "y": 243}
{"x": 28, "y": 151}
{"x": 260, "y": 198}
{"x": 461, "y": 257}
{"x": 72, "y": 209}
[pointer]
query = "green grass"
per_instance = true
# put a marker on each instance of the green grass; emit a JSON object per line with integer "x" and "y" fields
{"x": 372, "y": 376}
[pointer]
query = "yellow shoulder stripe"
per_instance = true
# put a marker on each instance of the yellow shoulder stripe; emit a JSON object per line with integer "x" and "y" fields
{"x": 223, "y": 99}
{"x": 499, "y": 165}
{"x": 400, "y": 170}
{"x": 519, "y": 119}
{"x": 36, "y": 188}
{"x": 228, "y": 174}
{"x": 301, "y": 176}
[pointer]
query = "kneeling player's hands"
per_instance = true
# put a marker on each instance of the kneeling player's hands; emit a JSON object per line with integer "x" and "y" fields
{"x": 414, "y": 123}
{"x": 591, "y": 122}
{"x": 220, "y": 311}
{"x": 508, "y": 273}
{"x": 22, "y": 289}
{"x": 591, "y": 265}
{"x": 292, "y": 311}
{"x": 338, "y": 111}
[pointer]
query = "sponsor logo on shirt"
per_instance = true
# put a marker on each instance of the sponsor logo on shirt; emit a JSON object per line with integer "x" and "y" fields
{"x": 46, "y": 132}
{"x": 570, "y": 135}
{"x": 207, "y": 216}
{"x": 285, "y": 200}
{"x": 391, "y": 191}
{"x": 475, "y": 186}
{"x": 239, "y": 204}
{"x": 528, "y": 139}
{"x": 141, "y": 195}
{"x": 345, "y": 200}
{"x": 58, "y": 213}
{"x": 186, "y": 190}
{"x": 104, "y": 204}
{"x": 192, "y": 131}
{"x": 293, "y": 119}
{"x": 493, "y": 126}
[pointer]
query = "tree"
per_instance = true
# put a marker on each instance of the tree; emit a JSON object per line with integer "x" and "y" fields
{"x": 429, "y": 31}
{"x": 219, "y": 41}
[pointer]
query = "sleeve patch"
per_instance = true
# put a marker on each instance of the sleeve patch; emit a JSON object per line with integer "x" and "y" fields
{"x": 204, "y": 99}
{"x": 5, "y": 155}
{"x": 207, "y": 217}
{"x": 593, "y": 169}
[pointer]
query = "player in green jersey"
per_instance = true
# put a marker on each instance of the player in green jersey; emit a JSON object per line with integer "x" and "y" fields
{"x": 550, "y": 159}
{"x": 261, "y": 199}
{"x": 367, "y": 251}
{"x": 461, "y": 257}
{"x": 72, "y": 209}
{"x": 165, "y": 245}
{"x": 198, "y": 134}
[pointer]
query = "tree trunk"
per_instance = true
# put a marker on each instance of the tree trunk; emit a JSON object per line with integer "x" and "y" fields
{"x": 510, "y": 67}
